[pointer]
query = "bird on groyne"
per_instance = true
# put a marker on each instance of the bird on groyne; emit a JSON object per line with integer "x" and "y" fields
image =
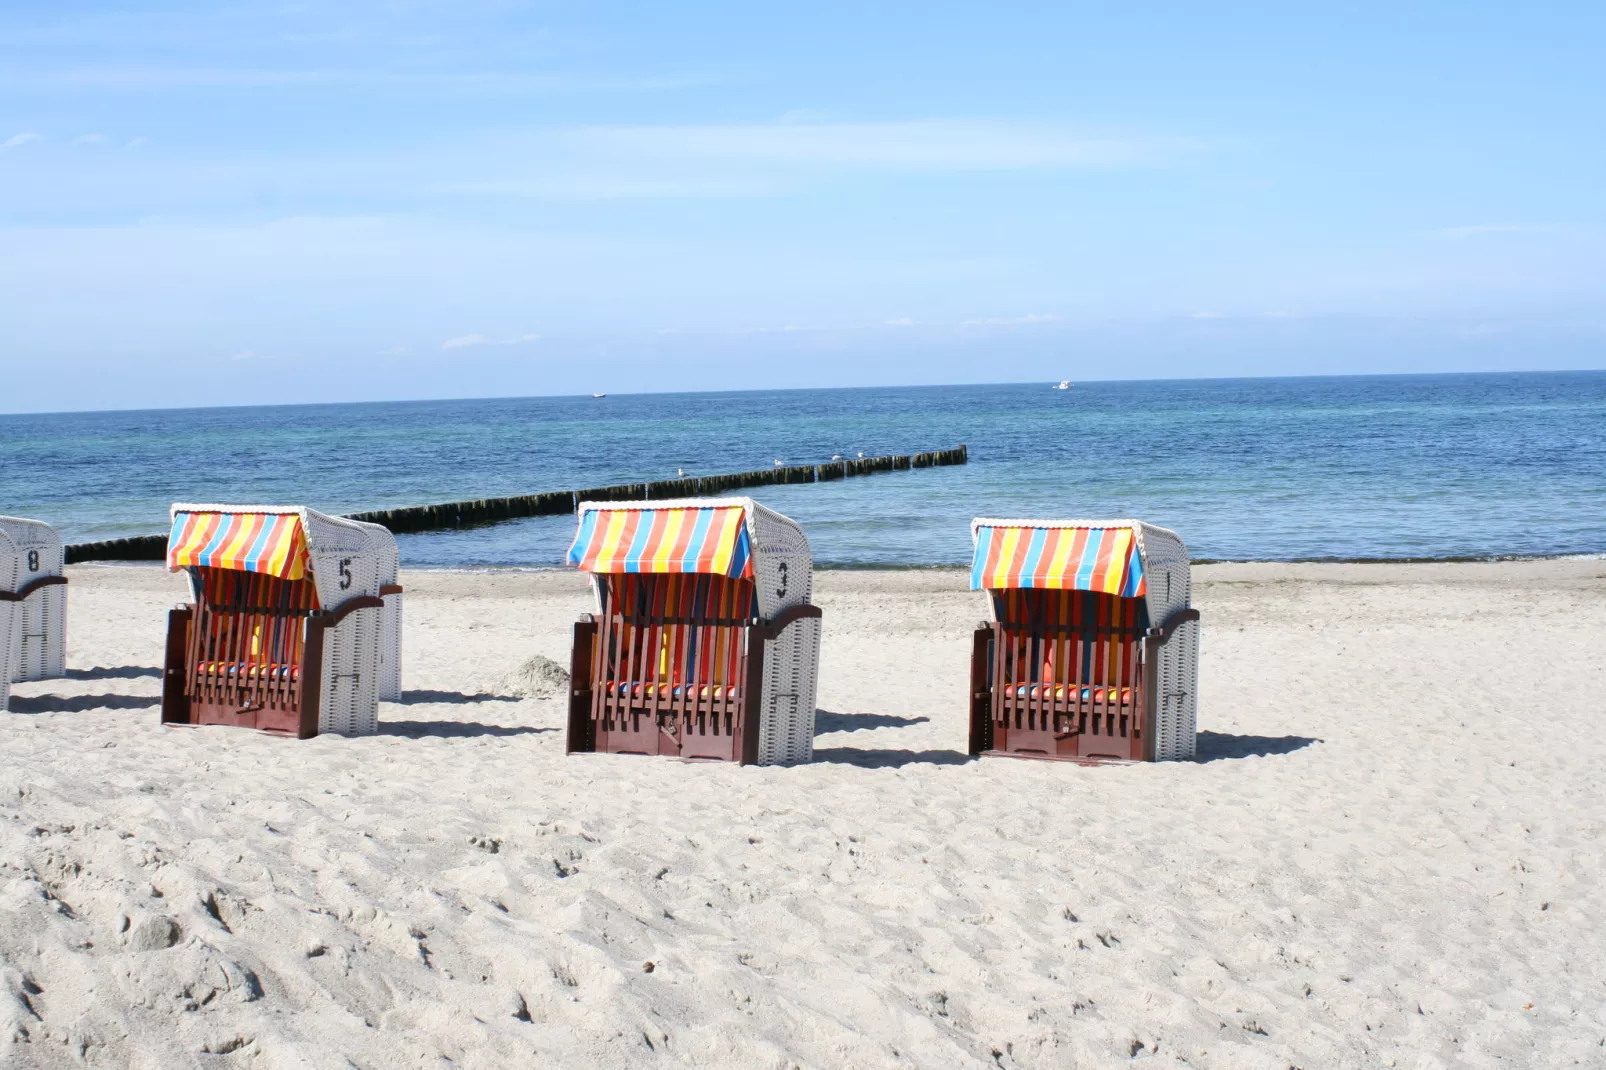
{"x": 779, "y": 463}
{"x": 861, "y": 454}
{"x": 836, "y": 456}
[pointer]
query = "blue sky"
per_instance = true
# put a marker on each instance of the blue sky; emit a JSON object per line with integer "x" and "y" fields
{"x": 214, "y": 204}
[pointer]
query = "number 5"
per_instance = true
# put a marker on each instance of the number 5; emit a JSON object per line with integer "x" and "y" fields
{"x": 345, "y": 573}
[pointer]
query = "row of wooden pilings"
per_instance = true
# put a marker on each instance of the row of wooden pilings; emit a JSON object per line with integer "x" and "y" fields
{"x": 557, "y": 502}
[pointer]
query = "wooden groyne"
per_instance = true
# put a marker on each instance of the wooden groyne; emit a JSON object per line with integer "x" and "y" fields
{"x": 482, "y": 511}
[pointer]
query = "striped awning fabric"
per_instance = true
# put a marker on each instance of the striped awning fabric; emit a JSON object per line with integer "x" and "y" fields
{"x": 711, "y": 540}
{"x": 1064, "y": 558}
{"x": 270, "y": 543}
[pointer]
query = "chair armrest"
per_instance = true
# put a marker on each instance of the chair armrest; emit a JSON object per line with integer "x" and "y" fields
{"x": 347, "y": 608}
{"x": 29, "y": 588}
{"x": 1172, "y": 623}
{"x": 771, "y": 629}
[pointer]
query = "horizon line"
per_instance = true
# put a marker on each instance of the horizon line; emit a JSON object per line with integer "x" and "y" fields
{"x": 805, "y": 389}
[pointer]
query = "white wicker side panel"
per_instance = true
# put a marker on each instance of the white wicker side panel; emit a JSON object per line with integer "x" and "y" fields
{"x": 10, "y": 617}
{"x": 1178, "y": 709}
{"x": 42, "y": 638}
{"x": 343, "y": 566}
{"x": 783, "y": 569}
{"x": 350, "y": 705}
{"x": 390, "y": 649}
{"x": 10, "y": 614}
{"x": 791, "y": 672}
{"x": 40, "y": 632}
{"x": 783, "y": 564}
{"x": 1165, "y": 568}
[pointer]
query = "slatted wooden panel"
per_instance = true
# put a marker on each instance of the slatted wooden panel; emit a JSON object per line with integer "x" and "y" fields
{"x": 1067, "y": 674}
{"x": 245, "y": 657}
{"x": 670, "y": 665}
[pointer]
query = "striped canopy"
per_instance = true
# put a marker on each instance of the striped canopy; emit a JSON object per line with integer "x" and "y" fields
{"x": 273, "y": 544}
{"x": 710, "y": 540}
{"x": 1063, "y": 558}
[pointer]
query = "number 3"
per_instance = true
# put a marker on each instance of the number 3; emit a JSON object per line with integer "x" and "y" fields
{"x": 345, "y": 573}
{"x": 782, "y": 592}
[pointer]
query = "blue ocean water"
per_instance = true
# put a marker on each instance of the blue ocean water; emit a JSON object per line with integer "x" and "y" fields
{"x": 1433, "y": 466}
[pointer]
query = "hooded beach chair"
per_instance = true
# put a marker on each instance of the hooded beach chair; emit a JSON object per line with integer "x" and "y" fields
{"x": 295, "y": 627}
{"x": 704, "y": 643}
{"x": 1091, "y": 652}
{"x": 33, "y": 604}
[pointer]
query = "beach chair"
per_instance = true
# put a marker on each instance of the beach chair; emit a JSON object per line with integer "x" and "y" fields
{"x": 295, "y": 623}
{"x": 704, "y": 643}
{"x": 1091, "y": 649}
{"x": 33, "y": 604}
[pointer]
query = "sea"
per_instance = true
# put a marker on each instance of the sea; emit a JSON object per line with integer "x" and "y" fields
{"x": 1405, "y": 467}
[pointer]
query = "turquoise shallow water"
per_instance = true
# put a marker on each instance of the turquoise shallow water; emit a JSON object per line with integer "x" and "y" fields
{"x": 1440, "y": 466}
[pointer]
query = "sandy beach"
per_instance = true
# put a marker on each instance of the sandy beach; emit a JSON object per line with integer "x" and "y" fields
{"x": 1388, "y": 854}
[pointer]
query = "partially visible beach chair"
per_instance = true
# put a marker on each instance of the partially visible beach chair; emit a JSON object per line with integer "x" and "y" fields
{"x": 295, "y": 627}
{"x": 704, "y": 643}
{"x": 1091, "y": 652}
{"x": 33, "y": 604}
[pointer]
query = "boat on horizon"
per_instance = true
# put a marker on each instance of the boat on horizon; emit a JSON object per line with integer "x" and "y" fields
{"x": 599, "y": 395}
{"x": 1064, "y": 384}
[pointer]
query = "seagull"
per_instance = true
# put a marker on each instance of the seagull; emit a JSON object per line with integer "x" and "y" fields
{"x": 680, "y": 471}
{"x": 861, "y": 453}
{"x": 836, "y": 456}
{"x": 779, "y": 463}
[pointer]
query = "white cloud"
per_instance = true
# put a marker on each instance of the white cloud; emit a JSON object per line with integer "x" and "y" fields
{"x": 90, "y": 139}
{"x": 1015, "y": 321}
{"x": 919, "y": 145}
{"x": 18, "y": 139}
{"x": 134, "y": 79}
{"x": 468, "y": 340}
{"x": 1498, "y": 228}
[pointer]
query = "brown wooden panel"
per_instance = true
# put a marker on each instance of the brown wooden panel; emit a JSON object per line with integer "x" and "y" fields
{"x": 175, "y": 696}
{"x": 581, "y": 735}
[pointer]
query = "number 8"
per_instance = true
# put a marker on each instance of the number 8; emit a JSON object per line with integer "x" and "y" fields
{"x": 33, "y": 560}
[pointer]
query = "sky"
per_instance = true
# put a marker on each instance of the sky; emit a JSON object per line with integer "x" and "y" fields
{"x": 206, "y": 204}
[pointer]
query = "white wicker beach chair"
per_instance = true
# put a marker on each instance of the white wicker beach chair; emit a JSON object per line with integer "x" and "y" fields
{"x": 705, "y": 643}
{"x": 295, "y": 626}
{"x": 1091, "y": 647}
{"x": 33, "y": 604}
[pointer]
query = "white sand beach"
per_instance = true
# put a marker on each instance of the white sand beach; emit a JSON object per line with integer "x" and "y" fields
{"x": 1390, "y": 852}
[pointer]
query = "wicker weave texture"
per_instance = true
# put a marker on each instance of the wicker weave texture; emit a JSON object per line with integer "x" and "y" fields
{"x": 1169, "y": 584}
{"x": 10, "y": 620}
{"x": 783, "y": 568}
{"x": 783, "y": 573}
{"x": 361, "y": 655}
{"x": 35, "y": 646}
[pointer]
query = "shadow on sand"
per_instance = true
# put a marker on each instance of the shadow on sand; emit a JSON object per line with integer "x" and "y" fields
{"x": 888, "y": 759}
{"x": 80, "y": 703}
{"x": 455, "y": 729}
{"x": 826, "y": 721}
{"x": 114, "y": 672}
{"x": 1215, "y": 746}
{"x": 455, "y": 698}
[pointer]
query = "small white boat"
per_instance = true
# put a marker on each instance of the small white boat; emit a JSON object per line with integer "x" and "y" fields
{"x": 1064, "y": 384}
{"x": 599, "y": 395}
